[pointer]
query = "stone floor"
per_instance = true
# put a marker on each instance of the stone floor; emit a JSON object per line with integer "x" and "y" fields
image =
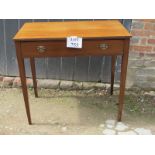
{"x": 111, "y": 127}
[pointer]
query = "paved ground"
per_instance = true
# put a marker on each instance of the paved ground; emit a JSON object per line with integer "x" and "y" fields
{"x": 76, "y": 112}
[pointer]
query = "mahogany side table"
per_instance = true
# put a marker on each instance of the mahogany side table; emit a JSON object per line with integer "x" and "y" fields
{"x": 48, "y": 39}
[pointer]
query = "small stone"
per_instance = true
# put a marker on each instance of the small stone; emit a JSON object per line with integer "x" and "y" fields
{"x": 121, "y": 127}
{"x": 101, "y": 125}
{"x": 90, "y": 91}
{"x": 116, "y": 86}
{"x": 151, "y": 93}
{"x": 110, "y": 126}
{"x": 17, "y": 82}
{"x": 7, "y": 82}
{"x": 142, "y": 131}
{"x": 77, "y": 85}
{"x": 88, "y": 85}
{"x": 64, "y": 128}
{"x": 102, "y": 92}
{"x": 142, "y": 100}
{"x": 110, "y": 122}
{"x": 109, "y": 132}
{"x": 100, "y": 86}
{"x": 108, "y": 86}
{"x": 127, "y": 133}
{"x": 66, "y": 84}
{"x": 52, "y": 84}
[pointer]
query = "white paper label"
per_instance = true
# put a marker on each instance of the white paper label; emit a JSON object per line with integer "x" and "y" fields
{"x": 74, "y": 42}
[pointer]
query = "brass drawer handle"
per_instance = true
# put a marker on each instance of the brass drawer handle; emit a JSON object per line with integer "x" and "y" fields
{"x": 41, "y": 49}
{"x": 104, "y": 46}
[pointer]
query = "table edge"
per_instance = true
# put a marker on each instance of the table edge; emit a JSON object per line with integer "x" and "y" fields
{"x": 87, "y": 38}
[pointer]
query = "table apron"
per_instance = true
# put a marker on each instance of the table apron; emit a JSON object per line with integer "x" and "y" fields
{"x": 57, "y": 48}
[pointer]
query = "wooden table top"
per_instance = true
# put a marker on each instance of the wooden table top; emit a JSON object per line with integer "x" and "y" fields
{"x": 61, "y": 30}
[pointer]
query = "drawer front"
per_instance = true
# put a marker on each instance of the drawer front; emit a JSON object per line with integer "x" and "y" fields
{"x": 58, "y": 48}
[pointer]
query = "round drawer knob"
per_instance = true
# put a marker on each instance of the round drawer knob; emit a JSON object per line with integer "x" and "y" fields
{"x": 41, "y": 49}
{"x": 104, "y": 46}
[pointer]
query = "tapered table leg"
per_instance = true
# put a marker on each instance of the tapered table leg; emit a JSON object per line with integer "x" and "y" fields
{"x": 123, "y": 77}
{"x": 21, "y": 66}
{"x": 33, "y": 70}
{"x": 113, "y": 61}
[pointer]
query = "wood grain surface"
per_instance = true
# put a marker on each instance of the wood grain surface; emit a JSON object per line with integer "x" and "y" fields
{"x": 61, "y": 30}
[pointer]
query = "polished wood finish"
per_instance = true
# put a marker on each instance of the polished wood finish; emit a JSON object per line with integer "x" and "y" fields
{"x": 33, "y": 70}
{"x": 123, "y": 78}
{"x": 58, "y": 48}
{"x": 50, "y": 39}
{"x": 21, "y": 67}
{"x": 61, "y": 30}
{"x": 113, "y": 62}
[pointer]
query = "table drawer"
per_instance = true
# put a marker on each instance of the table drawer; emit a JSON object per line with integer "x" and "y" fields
{"x": 57, "y": 48}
